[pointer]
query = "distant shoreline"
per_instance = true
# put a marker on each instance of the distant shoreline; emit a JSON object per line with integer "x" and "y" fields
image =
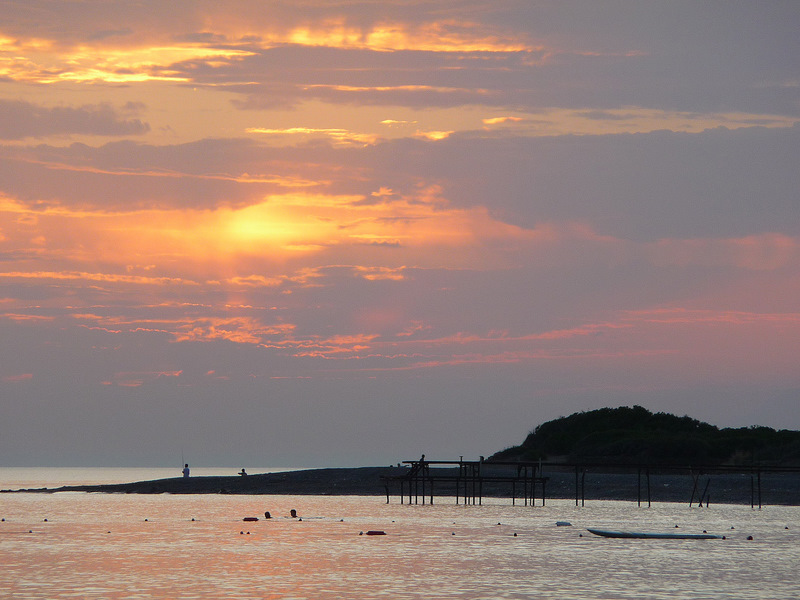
{"x": 776, "y": 488}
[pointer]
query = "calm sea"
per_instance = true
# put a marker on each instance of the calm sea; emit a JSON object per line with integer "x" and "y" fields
{"x": 117, "y": 546}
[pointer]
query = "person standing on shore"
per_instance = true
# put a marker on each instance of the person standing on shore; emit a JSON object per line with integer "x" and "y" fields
{"x": 186, "y": 470}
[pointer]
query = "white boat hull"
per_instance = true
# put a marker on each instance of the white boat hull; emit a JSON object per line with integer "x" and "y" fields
{"x": 652, "y": 535}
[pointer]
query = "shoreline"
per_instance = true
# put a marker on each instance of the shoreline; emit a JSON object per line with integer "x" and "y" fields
{"x": 776, "y": 488}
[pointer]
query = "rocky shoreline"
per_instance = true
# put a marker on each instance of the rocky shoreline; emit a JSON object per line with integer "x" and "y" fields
{"x": 728, "y": 488}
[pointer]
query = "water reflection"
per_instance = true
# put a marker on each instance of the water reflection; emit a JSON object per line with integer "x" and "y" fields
{"x": 130, "y": 546}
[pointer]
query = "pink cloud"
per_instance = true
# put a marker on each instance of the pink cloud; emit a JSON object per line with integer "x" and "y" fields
{"x": 18, "y": 378}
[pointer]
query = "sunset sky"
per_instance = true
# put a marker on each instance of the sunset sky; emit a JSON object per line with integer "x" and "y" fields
{"x": 331, "y": 233}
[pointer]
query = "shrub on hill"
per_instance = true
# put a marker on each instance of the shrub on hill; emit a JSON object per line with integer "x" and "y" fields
{"x": 636, "y": 435}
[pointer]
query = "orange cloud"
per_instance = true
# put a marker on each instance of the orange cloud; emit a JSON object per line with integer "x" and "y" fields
{"x": 145, "y": 57}
{"x": 502, "y": 120}
{"x": 377, "y": 273}
{"x": 97, "y": 277}
{"x": 442, "y": 36}
{"x": 18, "y": 378}
{"x": 43, "y": 62}
{"x": 340, "y": 137}
{"x": 25, "y": 317}
{"x": 241, "y": 330}
{"x": 434, "y": 135}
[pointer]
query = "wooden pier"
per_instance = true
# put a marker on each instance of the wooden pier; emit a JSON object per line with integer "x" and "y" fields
{"x": 696, "y": 473}
{"x": 467, "y": 480}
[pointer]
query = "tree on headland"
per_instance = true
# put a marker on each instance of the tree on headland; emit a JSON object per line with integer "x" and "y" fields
{"x": 634, "y": 434}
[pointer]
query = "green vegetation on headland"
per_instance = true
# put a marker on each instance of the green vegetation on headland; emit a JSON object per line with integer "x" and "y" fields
{"x": 636, "y": 435}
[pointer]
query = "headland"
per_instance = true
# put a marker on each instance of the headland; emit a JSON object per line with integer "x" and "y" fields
{"x": 720, "y": 488}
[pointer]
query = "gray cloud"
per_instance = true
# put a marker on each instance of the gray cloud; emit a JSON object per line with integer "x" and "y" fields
{"x": 642, "y": 186}
{"x": 20, "y": 120}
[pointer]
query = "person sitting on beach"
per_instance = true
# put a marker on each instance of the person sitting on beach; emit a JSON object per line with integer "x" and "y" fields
{"x": 186, "y": 470}
{"x": 242, "y": 472}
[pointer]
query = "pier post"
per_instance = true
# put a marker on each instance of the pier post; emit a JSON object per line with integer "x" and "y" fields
{"x": 639, "y": 486}
{"x": 705, "y": 491}
{"x": 759, "y": 489}
{"x": 583, "y": 488}
{"x": 695, "y": 478}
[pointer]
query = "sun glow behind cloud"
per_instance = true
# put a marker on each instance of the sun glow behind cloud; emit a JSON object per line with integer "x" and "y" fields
{"x": 187, "y": 243}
